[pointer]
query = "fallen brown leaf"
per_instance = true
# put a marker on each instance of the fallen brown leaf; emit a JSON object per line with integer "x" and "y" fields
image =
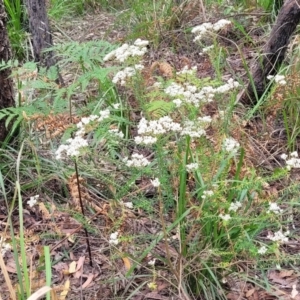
{"x": 65, "y": 291}
{"x": 88, "y": 281}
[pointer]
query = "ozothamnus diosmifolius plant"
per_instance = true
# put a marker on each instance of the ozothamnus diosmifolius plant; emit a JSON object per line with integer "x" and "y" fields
{"x": 209, "y": 204}
{"x": 220, "y": 209}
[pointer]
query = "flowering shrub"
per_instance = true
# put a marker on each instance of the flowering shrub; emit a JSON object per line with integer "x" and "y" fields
{"x": 173, "y": 151}
{"x": 202, "y": 30}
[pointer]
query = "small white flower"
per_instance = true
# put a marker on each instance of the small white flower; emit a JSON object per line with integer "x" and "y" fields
{"x": 155, "y": 182}
{"x": 274, "y": 208}
{"x": 294, "y": 154}
{"x": 279, "y": 236}
{"x": 116, "y": 105}
{"x": 207, "y": 194}
{"x": 282, "y": 82}
{"x": 225, "y": 217}
{"x": 113, "y": 238}
{"x": 221, "y": 114}
{"x": 116, "y": 132}
{"x": 206, "y": 28}
{"x": 87, "y": 120}
{"x": 177, "y": 102}
{"x": 157, "y": 84}
{"x": 5, "y": 247}
{"x": 139, "y": 67}
{"x": 280, "y": 79}
{"x": 174, "y": 90}
{"x": 205, "y": 119}
{"x": 122, "y": 76}
{"x": 152, "y": 262}
{"x": 161, "y": 126}
{"x": 193, "y": 129}
{"x": 192, "y": 167}
{"x": 33, "y": 200}
{"x": 207, "y": 49}
{"x": 293, "y": 162}
{"x": 284, "y": 156}
{"x": 231, "y": 145}
{"x": 72, "y": 147}
{"x": 141, "y": 43}
{"x": 186, "y": 70}
{"x": 221, "y": 24}
{"x": 234, "y": 206}
{"x": 128, "y": 205}
{"x": 137, "y": 160}
{"x": 125, "y": 51}
{"x": 146, "y": 140}
{"x": 262, "y": 250}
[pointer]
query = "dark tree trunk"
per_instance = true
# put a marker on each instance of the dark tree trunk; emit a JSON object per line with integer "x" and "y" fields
{"x": 41, "y": 35}
{"x": 40, "y": 31}
{"x": 6, "y": 83}
{"x": 273, "y": 52}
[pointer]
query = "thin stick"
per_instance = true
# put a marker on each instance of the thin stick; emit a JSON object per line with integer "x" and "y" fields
{"x": 202, "y": 9}
{"x": 82, "y": 211}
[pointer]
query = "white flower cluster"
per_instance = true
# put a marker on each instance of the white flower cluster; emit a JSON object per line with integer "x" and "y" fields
{"x": 73, "y": 145}
{"x": 157, "y": 85}
{"x": 280, "y": 79}
{"x": 192, "y": 167}
{"x": 5, "y": 247}
{"x": 207, "y": 194}
{"x": 71, "y": 148}
{"x": 155, "y": 182}
{"x": 152, "y": 262}
{"x": 207, "y": 49}
{"x": 104, "y": 114}
{"x": 113, "y": 238}
{"x": 127, "y": 204}
{"x": 116, "y": 132}
{"x": 205, "y": 28}
{"x": 33, "y": 200}
{"x": 175, "y": 89}
{"x": 225, "y": 217}
{"x": 146, "y": 140}
{"x": 234, "y": 206}
{"x": 128, "y": 72}
{"x": 279, "y": 236}
{"x": 191, "y": 95}
{"x": 293, "y": 161}
{"x": 231, "y": 145}
{"x": 230, "y": 85}
{"x": 177, "y": 102}
{"x": 146, "y": 129}
{"x": 137, "y": 160}
{"x": 274, "y": 208}
{"x": 187, "y": 70}
{"x": 205, "y": 120}
{"x": 262, "y": 250}
{"x": 139, "y": 48}
{"x": 116, "y": 105}
{"x": 193, "y": 129}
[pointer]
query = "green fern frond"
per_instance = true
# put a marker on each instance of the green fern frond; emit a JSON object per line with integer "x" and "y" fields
{"x": 89, "y": 53}
{"x": 159, "y": 108}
